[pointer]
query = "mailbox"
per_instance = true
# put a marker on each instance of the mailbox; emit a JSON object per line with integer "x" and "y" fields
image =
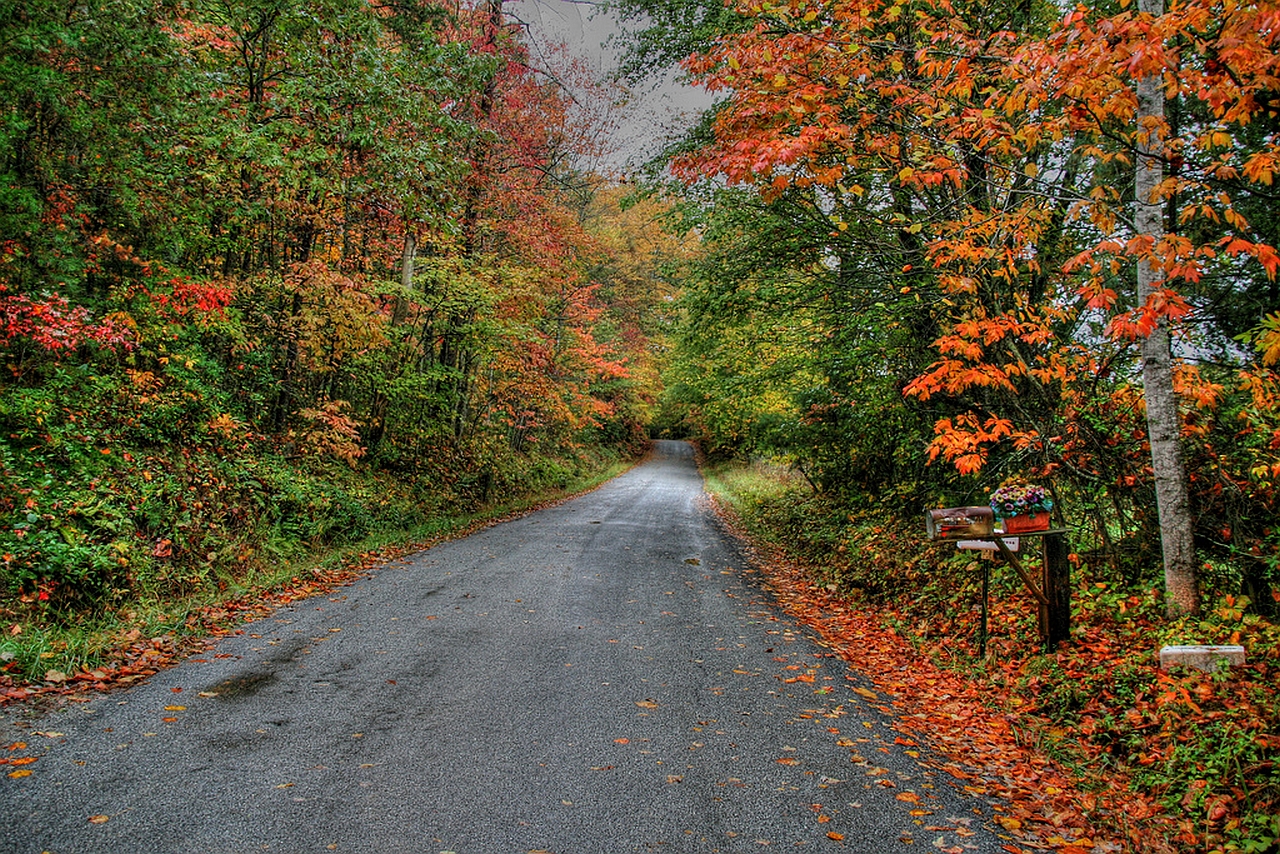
{"x": 960, "y": 523}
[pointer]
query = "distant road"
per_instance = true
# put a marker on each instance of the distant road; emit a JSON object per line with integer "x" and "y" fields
{"x": 600, "y": 676}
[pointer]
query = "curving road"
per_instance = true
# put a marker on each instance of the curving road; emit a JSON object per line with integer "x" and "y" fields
{"x": 601, "y": 676}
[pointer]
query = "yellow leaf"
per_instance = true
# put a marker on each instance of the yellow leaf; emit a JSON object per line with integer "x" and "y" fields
{"x": 734, "y": 64}
{"x": 866, "y": 692}
{"x": 99, "y": 819}
{"x": 1031, "y": 170}
{"x": 175, "y": 708}
{"x": 17, "y": 775}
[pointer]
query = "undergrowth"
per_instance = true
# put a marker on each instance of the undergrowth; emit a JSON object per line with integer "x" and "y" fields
{"x": 1206, "y": 747}
{"x": 146, "y": 542}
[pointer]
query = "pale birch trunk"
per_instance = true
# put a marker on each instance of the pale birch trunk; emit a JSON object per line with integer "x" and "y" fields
{"x": 1182, "y": 594}
{"x": 401, "y": 308}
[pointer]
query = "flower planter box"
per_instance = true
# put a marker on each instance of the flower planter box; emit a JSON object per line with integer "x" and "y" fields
{"x": 1026, "y": 523}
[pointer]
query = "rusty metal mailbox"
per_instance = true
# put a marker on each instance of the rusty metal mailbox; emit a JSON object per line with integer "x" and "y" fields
{"x": 959, "y": 523}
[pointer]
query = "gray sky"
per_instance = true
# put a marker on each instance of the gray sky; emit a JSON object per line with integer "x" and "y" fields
{"x": 651, "y": 116}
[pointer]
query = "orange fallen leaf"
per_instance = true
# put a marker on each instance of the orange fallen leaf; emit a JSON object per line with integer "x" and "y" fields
{"x": 838, "y": 837}
{"x": 646, "y": 704}
{"x": 788, "y": 760}
{"x": 99, "y": 819}
{"x": 908, "y": 797}
{"x": 175, "y": 708}
{"x": 16, "y": 775}
{"x": 622, "y": 741}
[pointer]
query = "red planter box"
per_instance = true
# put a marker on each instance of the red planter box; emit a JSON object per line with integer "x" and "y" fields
{"x": 1026, "y": 523}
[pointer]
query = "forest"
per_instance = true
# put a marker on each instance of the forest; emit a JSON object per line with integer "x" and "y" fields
{"x": 279, "y": 274}
{"x": 284, "y": 278}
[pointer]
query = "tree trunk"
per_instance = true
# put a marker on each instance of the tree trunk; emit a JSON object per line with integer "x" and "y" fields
{"x": 1182, "y": 594}
{"x": 401, "y": 308}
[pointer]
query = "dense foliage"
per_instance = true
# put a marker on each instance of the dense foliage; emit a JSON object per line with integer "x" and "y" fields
{"x": 275, "y": 274}
{"x": 922, "y": 250}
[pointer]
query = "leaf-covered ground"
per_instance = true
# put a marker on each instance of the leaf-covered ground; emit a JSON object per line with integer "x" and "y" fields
{"x": 1089, "y": 748}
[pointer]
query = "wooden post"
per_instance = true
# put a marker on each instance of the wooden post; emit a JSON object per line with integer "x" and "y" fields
{"x": 986, "y": 595}
{"x": 1057, "y": 588}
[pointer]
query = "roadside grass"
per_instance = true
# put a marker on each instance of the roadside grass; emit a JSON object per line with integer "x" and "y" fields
{"x": 1196, "y": 752}
{"x": 40, "y": 650}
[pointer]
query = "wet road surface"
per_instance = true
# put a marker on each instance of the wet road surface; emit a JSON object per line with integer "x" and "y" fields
{"x": 600, "y": 676}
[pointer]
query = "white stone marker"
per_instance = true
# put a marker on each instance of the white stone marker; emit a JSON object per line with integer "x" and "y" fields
{"x": 1206, "y": 657}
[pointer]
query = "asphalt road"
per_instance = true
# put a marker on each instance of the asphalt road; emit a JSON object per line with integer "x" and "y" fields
{"x": 600, "y": 676}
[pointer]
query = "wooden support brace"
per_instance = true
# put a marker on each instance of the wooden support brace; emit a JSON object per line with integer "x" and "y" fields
{"x": 1022, "y": 573}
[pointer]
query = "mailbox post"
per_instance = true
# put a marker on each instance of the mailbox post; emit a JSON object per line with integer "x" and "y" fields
{"x": 1052, "y": 590}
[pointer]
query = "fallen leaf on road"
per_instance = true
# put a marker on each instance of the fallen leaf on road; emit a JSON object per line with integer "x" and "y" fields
{"x": 16, "y": 775}
{"x": 838, "y": 837}
{"x": 175, "y": 708}
{"x": 646, "y": 704}
{"x": 99, "y": 819}
{"x": 908, "y": 797}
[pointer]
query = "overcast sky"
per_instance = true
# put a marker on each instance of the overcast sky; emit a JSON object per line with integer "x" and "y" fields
{"x": 652, "y": 115}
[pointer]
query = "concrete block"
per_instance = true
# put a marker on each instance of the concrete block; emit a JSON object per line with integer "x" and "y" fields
{"x": 1206, "y": 657}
